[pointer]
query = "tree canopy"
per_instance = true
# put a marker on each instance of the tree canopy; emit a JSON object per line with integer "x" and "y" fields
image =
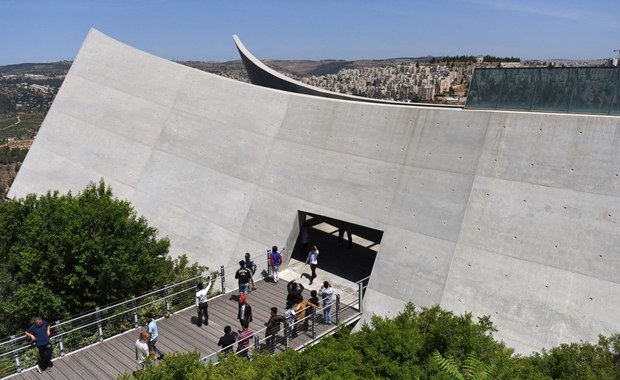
{"x": 66, "y": 254}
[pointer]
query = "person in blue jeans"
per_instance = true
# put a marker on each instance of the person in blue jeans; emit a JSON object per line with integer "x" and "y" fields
{"x": 244, "y": 275}
{"x": 326, "y": 293}
{"x": 40, "y": 333}
{"x": 153, "y": 334}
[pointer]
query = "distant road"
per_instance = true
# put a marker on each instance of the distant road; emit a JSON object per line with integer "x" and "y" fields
{"x": 12, "y": 125}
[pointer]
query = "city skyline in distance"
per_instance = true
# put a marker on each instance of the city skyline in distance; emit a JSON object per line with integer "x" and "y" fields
{"x": 43, "y": 31}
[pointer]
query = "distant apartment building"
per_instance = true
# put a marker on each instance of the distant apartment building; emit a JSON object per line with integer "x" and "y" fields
{"x": 427, "y": 92}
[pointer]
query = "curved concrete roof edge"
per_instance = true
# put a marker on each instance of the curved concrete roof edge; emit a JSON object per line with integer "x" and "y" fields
{"x": 252, "y": 63}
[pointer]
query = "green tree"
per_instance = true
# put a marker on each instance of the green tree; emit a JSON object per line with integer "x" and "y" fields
{"x": 583, "y": 361}
{"x": 472, "y": 368}
{"x": 68, "y": 254}
{"x": 429, "y": 343}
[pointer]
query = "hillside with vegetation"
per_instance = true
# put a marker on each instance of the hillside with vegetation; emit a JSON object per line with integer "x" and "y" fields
{"x": 27, "y": 91}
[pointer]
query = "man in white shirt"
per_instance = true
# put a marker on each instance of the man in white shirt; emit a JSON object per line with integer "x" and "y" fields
{"x": 313, "y": 260}
{"x": 201, "y": 303}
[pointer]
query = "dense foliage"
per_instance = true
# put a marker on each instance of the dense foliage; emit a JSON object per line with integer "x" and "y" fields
{"x": 10, "y": 155}
{"x": 66, "y": 254}
{"x": 425, "y": 343}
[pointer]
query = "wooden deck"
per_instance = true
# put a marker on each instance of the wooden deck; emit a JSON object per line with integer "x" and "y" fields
{"x": 114, "y": 356}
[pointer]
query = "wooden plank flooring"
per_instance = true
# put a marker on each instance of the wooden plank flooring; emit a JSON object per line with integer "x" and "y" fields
{"x": 112, "y": 357}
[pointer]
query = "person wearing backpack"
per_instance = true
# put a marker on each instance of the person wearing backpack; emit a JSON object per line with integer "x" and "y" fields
{"x": 243, "y": 275}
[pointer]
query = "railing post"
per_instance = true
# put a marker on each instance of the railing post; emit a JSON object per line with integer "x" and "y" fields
{"x": 287, "y": 335}
{"x": 167, "y": 301}
{"x": 359, "y": 296}
{"x": 269, "y": 274}
{"x": 18, "y": 368}
{"x": 135, "y": 312}
{"x": 99, "y": 326}
{"x": 223, "y": 278}
{"x": 61, "y": 344}
{"x": 256, "y": 342}
{"x": 337, "y": 309}
{"x": 313, "y": 323}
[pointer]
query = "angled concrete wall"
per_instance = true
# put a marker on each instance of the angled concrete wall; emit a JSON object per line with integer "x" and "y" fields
{"x": 512, "y": 215}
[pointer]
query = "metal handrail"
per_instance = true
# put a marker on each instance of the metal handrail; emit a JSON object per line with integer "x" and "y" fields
{"x": 95, "y": 326}
{"x": 92, "y": 327}
{"x": 350, "y": 293}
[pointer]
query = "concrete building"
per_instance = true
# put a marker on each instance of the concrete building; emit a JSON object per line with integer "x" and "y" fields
{"x": 507, "y": 214}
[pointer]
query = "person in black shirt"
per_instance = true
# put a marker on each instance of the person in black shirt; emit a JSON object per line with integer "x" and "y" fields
{"x": 251, "y": 265}
{"x": 227, "y": 341}
{"x": 40, "y": 333}
{"x": 245, "y": 311}
{"x": 243, "y": 275}
{"x": 273, "y": 326}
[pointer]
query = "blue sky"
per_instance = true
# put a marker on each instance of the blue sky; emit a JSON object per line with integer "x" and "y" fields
{"x": 52, "y": 30}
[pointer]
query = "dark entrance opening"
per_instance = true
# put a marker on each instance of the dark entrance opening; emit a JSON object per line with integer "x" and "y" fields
{"x": 347, "y": 250}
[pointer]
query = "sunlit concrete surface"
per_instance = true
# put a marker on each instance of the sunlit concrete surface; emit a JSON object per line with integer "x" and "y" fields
{"x": 507, "y": 214}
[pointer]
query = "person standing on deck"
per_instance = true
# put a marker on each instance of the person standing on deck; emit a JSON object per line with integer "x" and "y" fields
{"x": 39, "y": 333}
{"x": 201, "y": 303}
{"x": 251, "y": 265}
{"x": 313, "y": 260}
{"x": 153, "y": 335}
{"x": 243, "y": 347}
{"x": 326, "y": 293}
{"x": 245, "y": 311}
{"x": 142, "y": 349}
{"x": 275, "y": 260}
{"x": 273, "y": 326}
